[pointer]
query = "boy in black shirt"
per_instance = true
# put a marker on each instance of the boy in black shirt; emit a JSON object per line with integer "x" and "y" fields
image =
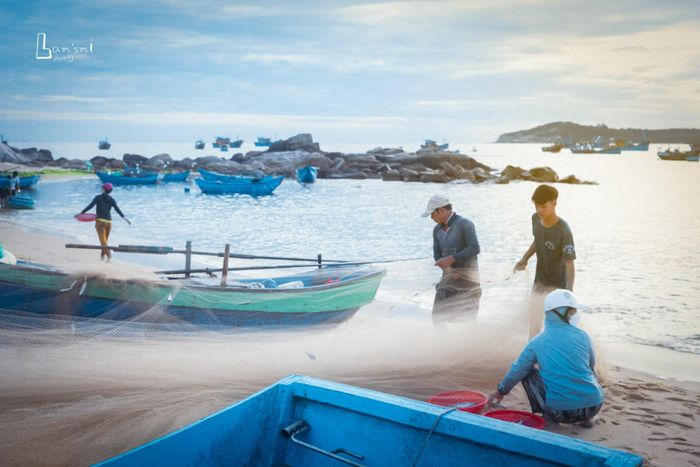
{"x": 554, "y": 245}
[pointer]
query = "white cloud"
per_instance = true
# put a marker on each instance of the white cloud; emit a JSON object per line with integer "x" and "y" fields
{"x": 278, "y": 58}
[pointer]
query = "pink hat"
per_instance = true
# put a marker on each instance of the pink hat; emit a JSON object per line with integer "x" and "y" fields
{"x": 107, "y": 187}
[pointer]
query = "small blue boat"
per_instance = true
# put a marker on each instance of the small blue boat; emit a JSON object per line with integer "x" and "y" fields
{"x": 104, "y": 144}
{"x": 236, "y": 144}
{"x": 215, "y": 176}
{"x": 241, "y": 186}
{"x": 307, "y": 174}
{"x": 263, "y": 142}
{"x": 120, "y": 179}
{"x": 24, "y": 182}
{"x": 312, "y": 422}
{"x": 21, "y": 201}
{"x": 223, "y": 148}
{"x": 175, "y": 177}
{"x": 199, "y": 144}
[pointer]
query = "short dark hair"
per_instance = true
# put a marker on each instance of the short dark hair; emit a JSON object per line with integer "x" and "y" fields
{"x": 544, "y": 193}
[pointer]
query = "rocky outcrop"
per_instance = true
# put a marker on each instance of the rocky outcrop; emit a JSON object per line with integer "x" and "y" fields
{"x": 28, "y": 156}
{"x": 301, "y": 142}
{"x": 430, "y": 165}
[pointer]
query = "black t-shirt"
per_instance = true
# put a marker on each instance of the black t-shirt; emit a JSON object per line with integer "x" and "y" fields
{"x": 104, "y": 203}
{"x": 554, "y": 246}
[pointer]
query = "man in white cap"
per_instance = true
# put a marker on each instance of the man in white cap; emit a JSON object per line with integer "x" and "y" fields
{"x": 564, "y": 388}
{"x": 455, "y": 249}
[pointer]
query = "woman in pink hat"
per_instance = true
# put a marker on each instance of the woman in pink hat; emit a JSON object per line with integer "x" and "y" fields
{"x": 103, "y": 224}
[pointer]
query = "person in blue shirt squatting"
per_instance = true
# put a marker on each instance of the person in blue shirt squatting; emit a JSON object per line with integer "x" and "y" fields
{"x": 564, "y": 388}
{"x": 455, "y": 249}
{"x": 553, "y": 243}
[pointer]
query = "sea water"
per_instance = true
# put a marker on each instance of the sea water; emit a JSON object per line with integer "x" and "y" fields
{"x": 636, "y": 231}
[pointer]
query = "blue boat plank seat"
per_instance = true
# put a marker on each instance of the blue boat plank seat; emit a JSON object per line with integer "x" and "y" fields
{"x": 364, "y": 427}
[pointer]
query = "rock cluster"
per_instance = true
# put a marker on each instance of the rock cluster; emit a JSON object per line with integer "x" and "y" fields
{"x": 429, "y": 165}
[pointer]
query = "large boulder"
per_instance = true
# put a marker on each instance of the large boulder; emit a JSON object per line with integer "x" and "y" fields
{"x": 13, "y": 155}
{"x": 99, "y": 161}
{"x": 391, "y": 175}
{"x": 133, "y": 159}
{"x": 44, "y": 156}
{"x": 300, "y": 142}
{"x": 165, "y": 159}
{"x": 544, "y": 174}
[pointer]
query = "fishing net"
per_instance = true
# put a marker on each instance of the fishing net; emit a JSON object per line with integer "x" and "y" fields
{"x": 76, "y": 390}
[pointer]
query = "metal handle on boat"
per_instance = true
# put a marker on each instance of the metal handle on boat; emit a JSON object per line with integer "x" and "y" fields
{"x": 300, "y": 427}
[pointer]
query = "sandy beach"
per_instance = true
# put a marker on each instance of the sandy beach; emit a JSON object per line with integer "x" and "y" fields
{"x": 115, "y": 395}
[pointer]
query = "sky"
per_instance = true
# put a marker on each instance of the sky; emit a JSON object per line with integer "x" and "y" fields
{"x": 346, "y": 72}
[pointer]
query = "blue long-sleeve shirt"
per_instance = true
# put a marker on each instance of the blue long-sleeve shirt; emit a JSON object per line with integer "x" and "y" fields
{"x": 566, "y": 361}
{"x": 459, "y": 241}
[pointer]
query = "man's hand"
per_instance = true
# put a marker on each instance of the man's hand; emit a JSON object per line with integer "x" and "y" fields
{"x": 520, "y": 265}
{"x": 127, "y": 221}
{"x": 445, "y": 262}
{"x": 494, "y": 398}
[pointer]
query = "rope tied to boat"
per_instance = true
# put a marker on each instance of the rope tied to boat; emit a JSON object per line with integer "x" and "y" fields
{"x": 430, "y": 433}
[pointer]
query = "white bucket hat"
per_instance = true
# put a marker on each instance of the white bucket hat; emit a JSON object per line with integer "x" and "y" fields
{"x": 437, "y": 201}
{"x": 560, "y": 297}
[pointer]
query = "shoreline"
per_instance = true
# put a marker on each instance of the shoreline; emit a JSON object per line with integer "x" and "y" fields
{"x": 654, "y": 416}
{"x": 657, "y": 362}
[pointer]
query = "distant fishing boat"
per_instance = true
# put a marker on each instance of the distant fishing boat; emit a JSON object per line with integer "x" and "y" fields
{"x": 330, "y": 294}
{"x": 556, "y": 147}
{"x": 175, "y": 176}
{"x": 24, "y": 182}
{"x": 241, "y": 186}
{"x": 430, "y": 144}
{"x": 199, "y": 144}
{"x": 263, "y": 142}
{"x": 305, "y": 421}
{"x": 120, "y": 179}
{"x": 236, "y": 144}
{"x": 215, "y": 176}
{"x": 104, "y": 144}
{"x": 223, "y": 148}
{"x": 306, "y": 174}
{"x": 220, "y": 141}
{"x": 630, "y": 146}
{"x": 587, "y": 148}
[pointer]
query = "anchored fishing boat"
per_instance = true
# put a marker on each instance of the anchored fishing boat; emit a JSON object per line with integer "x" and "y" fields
{"x": 104, "y": 144}
{"x": 199, "y": 144}
{"x": 175, "y": 176}
{"x": 430, "y": 144}
{"x": 328, "y": 294}
{"x": 120, "y": 179}
{"x": 263, "y": 142}
{"x": 306, "y": 174}
{"x": 241, "y": 186}
{"x": 308, "y": 421}
{"x": 24, "y": 182}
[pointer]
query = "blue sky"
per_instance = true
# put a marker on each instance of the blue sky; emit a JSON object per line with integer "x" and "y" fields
{"x": 347, "y": 72}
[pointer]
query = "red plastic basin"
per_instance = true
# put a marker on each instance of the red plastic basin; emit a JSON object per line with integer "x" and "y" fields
{"x": 516, "y": 416}
{"x": 466, "y": 401}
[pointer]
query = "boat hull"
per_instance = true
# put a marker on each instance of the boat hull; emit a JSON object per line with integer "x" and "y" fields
{"x": 121, "y": 180}
{"x": 249, "y": 187}
{"x": 21, "y": 201}
{"x": 24, "y": 182}
{"x": 366, "y": 427}
{"x": 47, "y": 292}
{"x": 306, "y": 174}
{"x": 176, "y": 177}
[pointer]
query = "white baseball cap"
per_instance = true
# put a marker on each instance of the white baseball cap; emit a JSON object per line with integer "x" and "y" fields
{"x": 437, "y": 201}
{"x": 560, "y": 297}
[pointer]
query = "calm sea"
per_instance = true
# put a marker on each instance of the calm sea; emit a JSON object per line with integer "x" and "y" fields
{"x": 636, "y": 232}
